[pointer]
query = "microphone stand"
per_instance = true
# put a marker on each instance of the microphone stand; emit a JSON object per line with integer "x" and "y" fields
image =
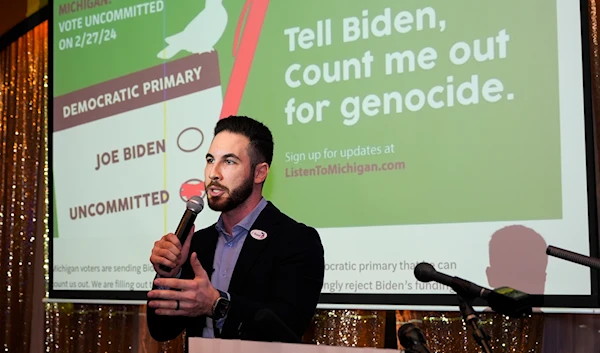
{"x": 471, "y": 318}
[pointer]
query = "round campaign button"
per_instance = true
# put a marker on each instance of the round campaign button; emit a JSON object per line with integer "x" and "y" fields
{"x": 258, "y": 234}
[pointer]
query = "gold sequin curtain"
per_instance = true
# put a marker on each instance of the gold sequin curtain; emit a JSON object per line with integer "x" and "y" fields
{"x": 23, "y": 121}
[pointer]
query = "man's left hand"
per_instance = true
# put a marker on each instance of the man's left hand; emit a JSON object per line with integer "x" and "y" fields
{"x": 196, "y": 296}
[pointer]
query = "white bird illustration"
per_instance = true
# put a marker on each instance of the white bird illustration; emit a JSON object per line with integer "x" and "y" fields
{"x": 201, "y": 34}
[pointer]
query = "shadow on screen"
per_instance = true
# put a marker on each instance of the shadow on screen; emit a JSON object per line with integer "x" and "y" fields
{"x": 517, "y": 259}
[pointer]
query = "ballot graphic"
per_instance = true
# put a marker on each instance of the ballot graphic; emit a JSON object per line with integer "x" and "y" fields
{"x": 147, "y": 128}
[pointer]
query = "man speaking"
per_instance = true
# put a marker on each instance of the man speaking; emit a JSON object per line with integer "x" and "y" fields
{"x": 253, "y": 259}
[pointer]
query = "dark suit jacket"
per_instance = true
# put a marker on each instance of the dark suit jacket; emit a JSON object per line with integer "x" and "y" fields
{"x": 283, "y": 272}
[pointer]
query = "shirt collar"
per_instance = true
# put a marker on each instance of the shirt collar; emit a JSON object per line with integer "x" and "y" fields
{"x": 248, "y": 221}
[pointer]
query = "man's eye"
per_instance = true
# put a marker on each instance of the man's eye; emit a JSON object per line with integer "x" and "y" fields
{"x": 230, "y": 161}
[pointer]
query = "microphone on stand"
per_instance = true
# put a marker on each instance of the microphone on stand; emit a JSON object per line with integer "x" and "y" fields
{"x": 503, "y": 300}
{"x": 194, "y": 206}
{"x": 579, "y": 259}
{"x": 412, "y": 339}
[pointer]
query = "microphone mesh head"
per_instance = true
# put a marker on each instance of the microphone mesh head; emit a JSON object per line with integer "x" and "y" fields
{"x": 423, "y": 272}
{"x": 410, "y": 335}
{"x": 195, "y": 204}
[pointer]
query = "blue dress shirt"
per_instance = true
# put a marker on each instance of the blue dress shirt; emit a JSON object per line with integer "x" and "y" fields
{"x": 226, "y": 255}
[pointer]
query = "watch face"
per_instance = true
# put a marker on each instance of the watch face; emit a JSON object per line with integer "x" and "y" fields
{"x": 221, "y": 308}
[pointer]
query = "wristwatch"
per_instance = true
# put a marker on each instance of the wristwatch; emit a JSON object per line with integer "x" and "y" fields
{"x": 221, "y": 306}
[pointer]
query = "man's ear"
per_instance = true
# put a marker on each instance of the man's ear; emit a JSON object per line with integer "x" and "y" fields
{"x": 260, "y": 172}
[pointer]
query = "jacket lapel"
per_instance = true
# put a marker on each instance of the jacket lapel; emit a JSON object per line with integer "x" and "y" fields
{"x": 252, "y": 248}
{"x": 205, "y": 250}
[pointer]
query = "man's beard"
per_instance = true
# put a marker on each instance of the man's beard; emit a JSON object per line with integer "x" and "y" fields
{"x": 229, "y": 200}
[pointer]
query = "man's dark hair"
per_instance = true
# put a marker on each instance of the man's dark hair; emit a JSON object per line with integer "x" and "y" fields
{"x": 261, "y": 139}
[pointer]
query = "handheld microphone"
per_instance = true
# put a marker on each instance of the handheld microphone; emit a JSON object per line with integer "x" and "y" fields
{"x": 579, "y": 259}
{"x": 503, "y": 300}
{"x": 272, "y": 328}
{"x": 412, "y": 339}
{"x": 194, "y": 206}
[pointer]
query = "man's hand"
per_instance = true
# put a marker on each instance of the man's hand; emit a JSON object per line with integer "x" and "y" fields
{"x": 169, "y": 252}
{"x": 196, "y": 297}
